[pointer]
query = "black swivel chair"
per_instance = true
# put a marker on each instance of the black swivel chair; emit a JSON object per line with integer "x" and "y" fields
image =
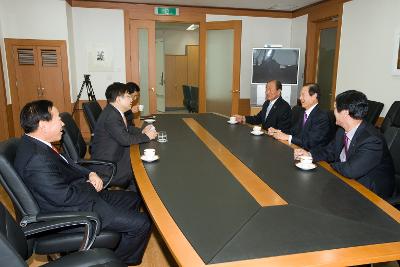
{"x": 75, "y": 147}
{"x": 92, "y": 110}
{"x": 28, "y": 212}
{"x": 194, "y": 100}
{"x": 374, "y": 110}
{"x": 392, "y": 116}
{"x": 14, "y": 248}
{"x": 186, "y": 97}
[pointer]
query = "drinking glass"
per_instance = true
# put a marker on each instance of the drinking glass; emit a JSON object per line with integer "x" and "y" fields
{"x": 162, "y": 136}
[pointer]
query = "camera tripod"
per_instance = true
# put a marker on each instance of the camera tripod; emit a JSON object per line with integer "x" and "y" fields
{"x": 89, "y": 90}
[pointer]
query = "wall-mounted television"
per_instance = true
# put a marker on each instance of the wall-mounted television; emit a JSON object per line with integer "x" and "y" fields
{"x": 275, "y": 64}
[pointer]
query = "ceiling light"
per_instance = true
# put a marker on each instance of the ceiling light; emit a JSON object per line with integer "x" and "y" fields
{"x": 192, "y": 27}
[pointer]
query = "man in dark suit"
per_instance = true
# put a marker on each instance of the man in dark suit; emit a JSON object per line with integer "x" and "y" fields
{"x": 275, "y": 113}
{"x": 134, "y": 91}
{"x": 113, "y": 137}
{"x": 313, "y": 127}
{"x": 358, "y": 150}
{"x": 58, "y": 184}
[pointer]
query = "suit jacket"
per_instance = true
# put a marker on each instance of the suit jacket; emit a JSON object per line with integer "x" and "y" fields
{"x": 129, "y": 118}
{"x": 368, "y": 161}
{"x": 315, "y": 131}
{"x": 112, "y": 140}
{"x": 57, "y": 185}
{"x": 279, "y": 116}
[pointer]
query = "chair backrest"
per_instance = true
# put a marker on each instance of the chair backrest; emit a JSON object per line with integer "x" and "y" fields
{"x": 23, "y": 201}
{"x": 194, "y": 103}
{"x": 92, "y": 110}
{"x": 392, "y": 137}
{"x": 72, "y": 140}
{"x": 13, "y": 246}
{"x": 392, "y": 116}
{"x": 186, "y": 96}
{"x": 374, "y": 110}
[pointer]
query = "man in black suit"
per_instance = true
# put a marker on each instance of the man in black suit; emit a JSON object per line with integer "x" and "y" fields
{"x": 358, "y": 150}
{"x": 275, "y": 113}
{"x": 113, "y": 136}
{"x": 313, "y": 128}
{"x": 58, "y": 184}
{"x": 134, "y": 91}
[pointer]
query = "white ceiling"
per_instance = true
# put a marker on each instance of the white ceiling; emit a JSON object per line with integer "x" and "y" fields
{"x": 281, "y": 5}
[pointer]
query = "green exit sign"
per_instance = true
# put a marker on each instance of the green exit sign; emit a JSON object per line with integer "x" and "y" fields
{"x": 166, "y": 11}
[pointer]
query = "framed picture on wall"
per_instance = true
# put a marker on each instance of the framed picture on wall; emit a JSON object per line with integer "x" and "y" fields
{"x": 396, "y": 54}
{"x": 100, "y": 58}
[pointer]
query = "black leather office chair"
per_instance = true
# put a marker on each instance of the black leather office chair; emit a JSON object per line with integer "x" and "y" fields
{"x": 374, "y": 110}
{"x": 194, "y": 100}
{"x": 75, "y": 147}
{"x": 14, "y": 248}
{"x": 92, "y": 110}
{"x": 186, "y": 97}
{"x": 392, "y": 116}
{"x": 27, "y": 210}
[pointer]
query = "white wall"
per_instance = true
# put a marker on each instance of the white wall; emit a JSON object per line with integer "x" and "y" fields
{"x": 175, "y": 41}
{"x": 298, "y": 40}
{"x": 366, "y": 50}
{"x": 91, "y": 28}
{"x": 27, "y": 19}
{"x": 256, "y": 32}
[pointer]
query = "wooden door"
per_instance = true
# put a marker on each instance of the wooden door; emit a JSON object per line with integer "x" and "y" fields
{"x": 192, "y": 52}
{"x": 51, "y": 76}
{"x": 170, "y": 81}
{"x": 234, "y": 68}
{"x": 143, "y": 61}
{"x": 38, "y": 69}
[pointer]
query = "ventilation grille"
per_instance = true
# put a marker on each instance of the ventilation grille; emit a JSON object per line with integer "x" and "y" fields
{"x": 26, "y": 57}
{"x": 49, "y": 58}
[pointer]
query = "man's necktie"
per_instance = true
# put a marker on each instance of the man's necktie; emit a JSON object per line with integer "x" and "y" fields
{"x": 268, "y": 110}
{"x": 305, "y": 118}
{"x": 346, "y": 145}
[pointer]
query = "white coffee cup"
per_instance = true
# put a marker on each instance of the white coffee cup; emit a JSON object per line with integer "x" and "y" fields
{"x": 257, "y": 129}
{"x": 306, "y": 159}
{"x": 232, "y": 119}
{"x": 149, "y": 153}
{"x": 141, "y": 107}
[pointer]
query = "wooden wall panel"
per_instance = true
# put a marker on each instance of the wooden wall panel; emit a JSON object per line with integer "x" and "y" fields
{"x": 192, "y": 52}
{"x": 244, "y": 106}
{"x": 10, "y": 121}
{"x": 181, "y": 73}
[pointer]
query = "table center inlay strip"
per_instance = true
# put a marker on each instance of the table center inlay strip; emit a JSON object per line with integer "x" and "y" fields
{"x": 259, "y": 190}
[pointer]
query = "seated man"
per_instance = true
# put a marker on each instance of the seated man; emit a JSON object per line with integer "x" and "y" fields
{"x": 113, "y": 137}
{"x": 134, "y": 91}
{"x": 358, "y": 150}
{"x": 275, "y": 112}
{"x": 58, "y": 184}
{"x": 313, "y": 127}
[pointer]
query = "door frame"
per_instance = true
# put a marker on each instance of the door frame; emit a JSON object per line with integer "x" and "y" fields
{"x": 236, "y": 26}
{"x": 321, "y": 25}
{"x": 4, "y": 133}
{"x": 9, "y": 43}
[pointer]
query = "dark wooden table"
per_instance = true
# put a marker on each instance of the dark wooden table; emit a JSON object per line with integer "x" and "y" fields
{"x": 223, "y": 197}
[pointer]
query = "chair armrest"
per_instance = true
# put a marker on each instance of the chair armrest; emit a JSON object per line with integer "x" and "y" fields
{"x": 101, "y": 162}
{"x": 59, "y": 223}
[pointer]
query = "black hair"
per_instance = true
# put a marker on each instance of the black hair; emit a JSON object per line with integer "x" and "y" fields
{"x": 278, "y": 84}
{"x": 132, "y": 87}
{"x": 34, "y": 112}
{"x": 353, "y": 101}
{"x": 114, "y": 90}
{"x": 313, "y": 88}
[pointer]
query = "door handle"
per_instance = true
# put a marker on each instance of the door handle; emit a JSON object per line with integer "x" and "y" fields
{"x": 152, "y": 89}
{"x": 38, "y": 91}
{"x": 42, "y": 91}
{"x": 162, "y": 79}
{"x": 235, "y": 91}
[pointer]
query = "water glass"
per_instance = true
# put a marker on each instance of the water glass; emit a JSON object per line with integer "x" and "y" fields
{"x": 162, "y": 137}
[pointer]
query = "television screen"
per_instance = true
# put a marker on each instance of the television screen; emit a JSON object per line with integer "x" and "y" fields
{"x": 280, "y": 64}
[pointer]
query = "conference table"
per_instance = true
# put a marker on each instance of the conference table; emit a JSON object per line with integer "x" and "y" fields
{"x": 221, "y": 196}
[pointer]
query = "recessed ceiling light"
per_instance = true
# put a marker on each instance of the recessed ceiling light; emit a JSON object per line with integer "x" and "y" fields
{"x": 192, "y": 27}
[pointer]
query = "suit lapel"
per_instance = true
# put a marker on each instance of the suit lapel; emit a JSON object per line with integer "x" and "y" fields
{"x": 355, "y": 138}
{"x": 273, "y": 108}
{"x": 311, "y": 117}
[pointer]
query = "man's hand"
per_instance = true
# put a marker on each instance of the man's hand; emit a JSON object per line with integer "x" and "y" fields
{"x": 271, "y": 131}
{"x": 148, "y": 128}
{"x": 135, "y": 109}
{"x": 240, "y": 118}
{"x": 96, "y": 181}
{"x": 298, "y": 152}
{"x": 281, "y": 136}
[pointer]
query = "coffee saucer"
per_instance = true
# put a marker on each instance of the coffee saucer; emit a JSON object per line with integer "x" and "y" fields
{"x": 306, "y": 166}
{"x": 257, "y": 133}
{"x": 144, "y": 158}
{"x": 232, "y": 122}
{"x": 149, "y": 120}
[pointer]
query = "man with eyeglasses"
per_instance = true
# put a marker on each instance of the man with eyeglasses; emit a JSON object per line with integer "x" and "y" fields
{"x": 134, "y": 91}
{"x": 113, "y": 135}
